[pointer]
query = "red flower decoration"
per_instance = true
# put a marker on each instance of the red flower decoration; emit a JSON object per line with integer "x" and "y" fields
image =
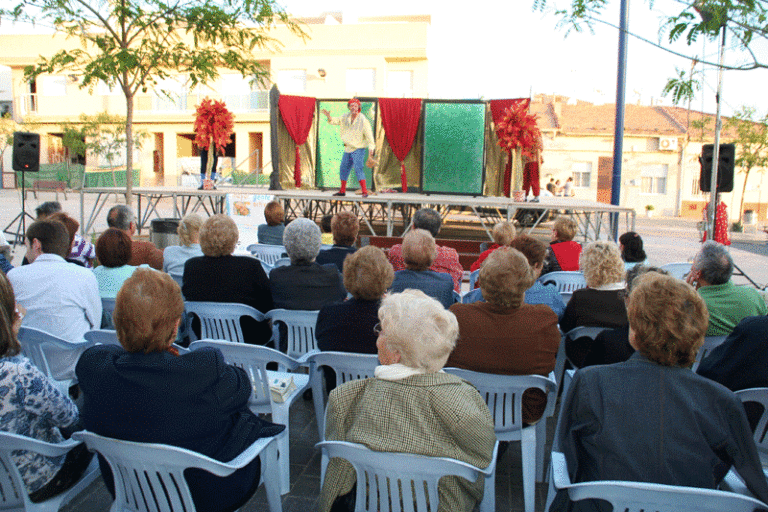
{"x": 213, "y": 123}
{"x": 518, "y": 129}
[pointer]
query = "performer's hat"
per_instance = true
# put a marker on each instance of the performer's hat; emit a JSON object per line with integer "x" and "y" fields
{"x": 354, "y": 100}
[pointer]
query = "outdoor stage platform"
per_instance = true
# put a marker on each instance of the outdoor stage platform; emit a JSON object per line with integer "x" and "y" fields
{"x": 391, "y": 209}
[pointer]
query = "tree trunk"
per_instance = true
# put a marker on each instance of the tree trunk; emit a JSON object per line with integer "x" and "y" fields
{"x": 128, "y": 147}
{"x": 743, "y": 191}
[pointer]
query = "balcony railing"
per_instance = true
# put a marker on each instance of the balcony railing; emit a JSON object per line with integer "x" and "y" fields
{"x": 186, "y": 102}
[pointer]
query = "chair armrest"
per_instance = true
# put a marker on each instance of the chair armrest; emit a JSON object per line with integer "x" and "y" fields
{"x": 304, "y": 360}
{"x": 21, "y": 442}
{"x": 250, "y": 453}
{"x": 560, "y": 471}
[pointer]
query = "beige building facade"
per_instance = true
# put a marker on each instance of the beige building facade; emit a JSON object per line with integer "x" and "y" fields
{"x": 375, "y": 56}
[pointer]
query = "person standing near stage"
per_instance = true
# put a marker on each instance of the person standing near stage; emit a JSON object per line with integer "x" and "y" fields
{"x": 357, "y": 135}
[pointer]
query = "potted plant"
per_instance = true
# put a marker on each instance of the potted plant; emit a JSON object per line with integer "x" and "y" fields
{"x": 649, "y": 210}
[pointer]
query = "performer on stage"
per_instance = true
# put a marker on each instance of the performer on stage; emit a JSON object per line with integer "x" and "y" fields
{"x": 356, "y": 134}
{"x": 531, "y": 172}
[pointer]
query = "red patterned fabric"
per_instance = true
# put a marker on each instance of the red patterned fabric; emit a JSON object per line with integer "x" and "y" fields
{"x": 297, "y": 113}
{"x": 721, "y": 224}
{"x": 400, "y": 119}
{"x": 497, "y": 113}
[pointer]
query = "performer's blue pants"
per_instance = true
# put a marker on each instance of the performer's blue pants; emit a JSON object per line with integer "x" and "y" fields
{"x": 353, "y": 159}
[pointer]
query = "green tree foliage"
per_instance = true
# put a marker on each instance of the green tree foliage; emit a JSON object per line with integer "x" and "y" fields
{"x": 682, "y": 88}
{"x": 751, "y": 141}
{"x": 134, "y": 44}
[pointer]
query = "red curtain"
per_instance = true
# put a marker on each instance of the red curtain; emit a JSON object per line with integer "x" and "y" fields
{"x": 297, "y": 113}
{"x": 497, "y": 112}
{"x": 400, "y": 119}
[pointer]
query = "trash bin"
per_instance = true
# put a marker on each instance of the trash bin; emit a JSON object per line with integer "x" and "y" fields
{"x": 163, "y": 232}
{"x": 749, "y": 217}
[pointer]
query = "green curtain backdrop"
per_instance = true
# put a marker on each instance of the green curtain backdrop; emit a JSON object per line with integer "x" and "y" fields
{"x": 330, "y": 148}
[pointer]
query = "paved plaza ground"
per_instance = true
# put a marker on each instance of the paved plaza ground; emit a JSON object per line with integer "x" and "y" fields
{"x": 666, "y": 240}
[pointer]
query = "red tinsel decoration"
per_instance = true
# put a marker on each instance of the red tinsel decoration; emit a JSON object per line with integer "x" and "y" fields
{"x": 213, "y": 123}
{"x": 517, "y": 129}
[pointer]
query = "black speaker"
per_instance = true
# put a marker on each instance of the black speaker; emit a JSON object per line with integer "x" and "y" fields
{"x": 26, "y": 151}
{"x": 725, "y": 164}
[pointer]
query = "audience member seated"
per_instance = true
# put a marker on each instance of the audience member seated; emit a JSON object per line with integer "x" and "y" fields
{"x": 612, "y": 345}
{"x": 741, "y": 361}
{"x": 271, "y": 233}
{"x": 348, "y": 326}
{"x": 33, "y": 406}
{"x": 113, "y": 248}
{"x": 145, "y": 391}
{"x": 305, "y": 284}
{"x": 601, "y": 303}
{"x": 344, "y": 226}
{"x": 326, "y": 236}
{"x": 60, "y": 298}
{"x": 535, "y": 251}
{"x": 631, "y": 247}
{"x": 219, "y": 276}
{"x": 563, "y": 253}
{"x": 410, "y": 405}
{"x": 72, "y": 227}
{"x": 419, "y": 252}
{"x": 526, "y": 335}
{"x": 503, "y": 233}
{"x": 175, "y": 256}
{"x": 82, "y": 251}
{"x": 446, "y": 260}
{"x": 650, "y": 419}
{"x": 121, "y": 217}
{"x": 727, "y": 303}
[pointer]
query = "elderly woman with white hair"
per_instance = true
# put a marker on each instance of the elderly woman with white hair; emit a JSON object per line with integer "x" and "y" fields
{"x": 411, "y": 405}
{"x": 419, "y": 252}
{"x": 305, "y": 284}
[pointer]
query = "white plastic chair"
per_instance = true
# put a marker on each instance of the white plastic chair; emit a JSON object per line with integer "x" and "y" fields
{"x": 639, "y": 496}
{"x": 566, "y": 281}
{"x": 679, "y": 270}
{"x": 267, "y": 253}
{"x": 405, "y": 478}
{"x": 710, "y": 343}
{"x": 107, "y": 308}
{"x": 473, "y": 279}
{"x": 179, "y": 278}
{"x": 282, "y": 262}
{"x": 300, "y": 328}
{"x": 253, "y": 359}
{"x": 13, "y": 492}
{"x": 150, "y": 477}
{"x": 109, "y": 337}
{"x": 221, "y": 320}
{"x": 347, "y": 366}
{"x": 759, "y": 395}
{"x": 504, "y": 396}
{"x": 573, "y": 334}
{"x": 53, "y": 356}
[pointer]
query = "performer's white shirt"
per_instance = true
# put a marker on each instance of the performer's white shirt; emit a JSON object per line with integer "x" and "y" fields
{"x": 356, "y": 134}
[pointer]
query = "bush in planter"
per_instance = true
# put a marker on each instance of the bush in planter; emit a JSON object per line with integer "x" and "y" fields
{"x": 737, "y": 227}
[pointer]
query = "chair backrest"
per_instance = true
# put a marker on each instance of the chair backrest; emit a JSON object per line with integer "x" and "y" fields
{"x": 566, "y": 281}
{"x": 640, "y": 496}
{"x": 504, "y": 396}
{"x": 103, "y": 337}
{"x": 760, "y": 434}
{"x": 300, "y": 329}
{"x": 473, "y": 279}
{"x": 679, "y": 270}
{"x": 404, "y": 481}
{"x": 13, "y": 492}
{"x": 281, "y": 262}
{"x": 221, "y": 320}
{"x": 581, "y": 332}
{"x": 710, "y": 343}
{"x": 179, "y": 278}
{"x": 150, "y": 477}
{"x": 267, "y": 253}
{"x": 107, "y": 308}
{"x": 46, "y": 352}
{"x": 253, "y": 359}
{"x": 347, "y": 366}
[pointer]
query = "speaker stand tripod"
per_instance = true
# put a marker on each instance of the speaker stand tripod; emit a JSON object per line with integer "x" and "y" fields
{"x": 20, "y": 220}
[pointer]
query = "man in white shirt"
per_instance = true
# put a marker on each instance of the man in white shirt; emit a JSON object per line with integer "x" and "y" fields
{"x": 357, "y": 135}
{"x": 60, "y": 298}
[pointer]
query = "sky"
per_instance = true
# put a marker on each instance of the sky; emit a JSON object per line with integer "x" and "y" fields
{"x": 503, "y": 49}
{"x": 492, "y": 49}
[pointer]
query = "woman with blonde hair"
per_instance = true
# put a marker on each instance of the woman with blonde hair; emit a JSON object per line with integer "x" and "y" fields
{"x": 419, "y": 251}
{"x": 526, "y": 335}
{"x": 146, "y": 391}
{"x": 651, "y": 419}
{"x": 175, "y": 256}
{"x": 410, "y": 405}
{"x": 601, "y": 303}
{"x": 503, "y": 233}
{"x": 563, "y": 253}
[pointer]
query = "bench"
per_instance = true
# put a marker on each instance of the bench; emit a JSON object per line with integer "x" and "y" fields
{"x": 469, "y": 250}
{"x": 56, "y": 185}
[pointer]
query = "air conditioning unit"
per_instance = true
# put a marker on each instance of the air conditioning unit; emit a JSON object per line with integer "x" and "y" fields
{"x": 668, "y": 143}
